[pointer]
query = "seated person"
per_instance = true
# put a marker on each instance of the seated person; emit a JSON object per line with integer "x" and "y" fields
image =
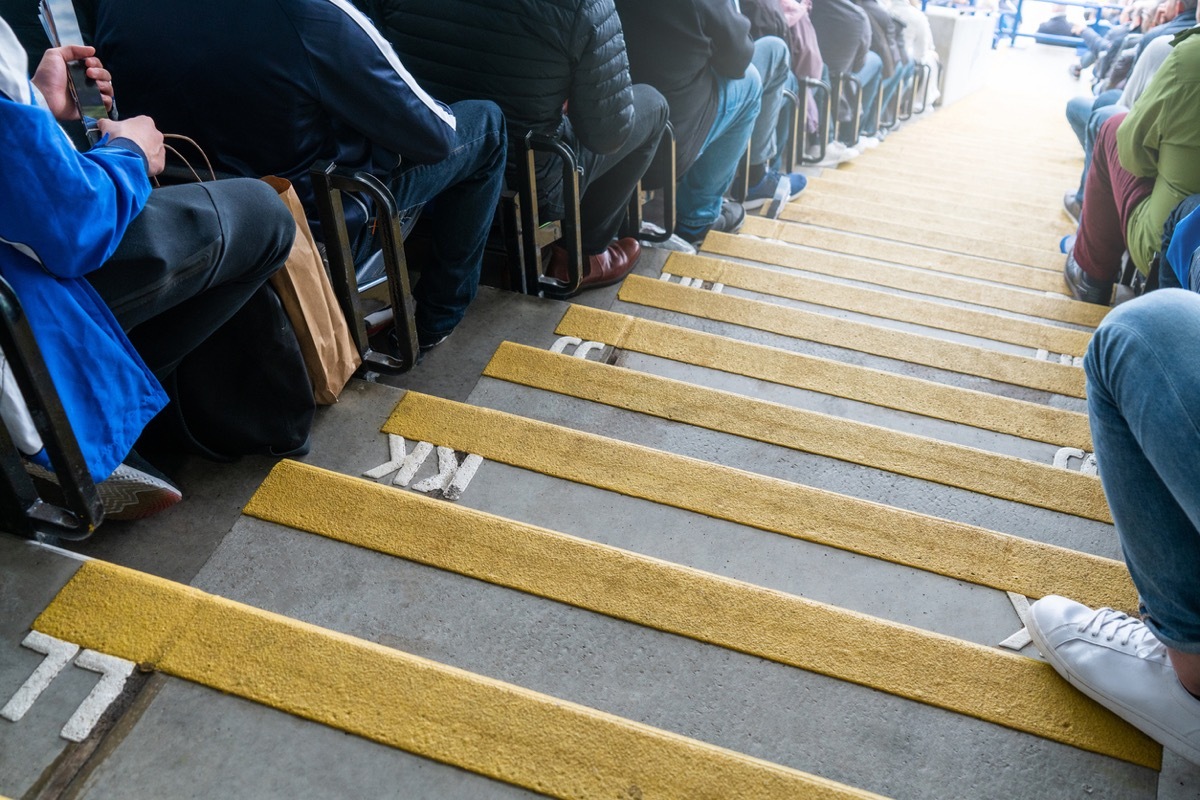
{"x": 168, "y": 266}
{"x": 1143, "y": 165}
{"x": 773, "y": 61}
{"x": 844, "y": 31}
{"x": 1142, "y": 383}
{"x": 886, "y": 42}
{"x": 576, "y": 62}
{"x": 697, "y": 53}
{"x": 271, "y": 88}
{"x": 807, "y": 62}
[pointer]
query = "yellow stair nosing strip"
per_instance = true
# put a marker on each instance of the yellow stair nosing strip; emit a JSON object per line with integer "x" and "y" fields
{"x": 1037, "y": 258}
{"x": 922, "y": 162}
{"x": 981, "y": 198}
{"x": 858, "y": 336}
{"x": 1007, "y": 207}
{"x": 1019, "y": 418}
{"x": 973, "y": 199}
{"x": 983, "y": 682}
{"x": 964, "y": 552}
{"x": 872, "y": 302}
{"x": 883, "y": 164}
{"x": 971, "y": 469}
{"x": 549, "y": 745}
{"x": 848, "y": 263}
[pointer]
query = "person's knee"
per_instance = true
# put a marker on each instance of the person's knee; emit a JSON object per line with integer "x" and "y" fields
{"x": 483, "y": 122}
{"x": 273, "y": 229}
{"x": 649, "y": 103}
{"x": 1145, "y": 327}
{"x": 772, "y": 58}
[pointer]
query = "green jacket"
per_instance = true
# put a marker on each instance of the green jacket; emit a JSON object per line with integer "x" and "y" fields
{"x": 1160, "y": 139}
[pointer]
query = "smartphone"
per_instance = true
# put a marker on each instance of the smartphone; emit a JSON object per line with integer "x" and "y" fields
{"x": 87, "y": 96}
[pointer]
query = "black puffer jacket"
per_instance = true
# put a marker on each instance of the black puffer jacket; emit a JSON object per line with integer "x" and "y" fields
{"x": 528, "y": 56}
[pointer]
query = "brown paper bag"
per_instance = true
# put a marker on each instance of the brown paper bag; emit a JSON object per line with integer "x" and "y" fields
{"x": 308, "y": 298}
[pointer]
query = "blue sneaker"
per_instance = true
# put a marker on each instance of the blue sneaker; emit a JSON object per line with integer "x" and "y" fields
{"x": 765, "y": 190}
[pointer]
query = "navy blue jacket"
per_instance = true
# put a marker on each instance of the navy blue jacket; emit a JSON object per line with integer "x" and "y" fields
{"x": 268, "y": 87}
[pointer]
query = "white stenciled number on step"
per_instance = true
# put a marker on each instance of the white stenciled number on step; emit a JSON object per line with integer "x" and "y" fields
{"x": 452, "y": 478}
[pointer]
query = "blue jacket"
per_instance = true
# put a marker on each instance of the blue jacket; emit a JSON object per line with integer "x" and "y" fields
{"x": 62, "y": 214}
{"x": 267, "y": 87}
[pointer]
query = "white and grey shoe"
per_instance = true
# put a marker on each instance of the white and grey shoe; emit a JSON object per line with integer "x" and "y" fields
{"x": 133, "y": 491}
{"x": 1114, "y": 659}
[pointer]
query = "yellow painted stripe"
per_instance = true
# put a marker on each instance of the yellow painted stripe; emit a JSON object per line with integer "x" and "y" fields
{"x": 916, "y": 233}
{"x": 956, "y": 550}
{"x": 1058, "y": 307}
{"x": 1045, "y": 235}
{"x": 928, "y": 160}
{"x": 974, "y": 201}
{"x": 450, "y": 715}
{"x": 967, "y": 678}
{"x": 978, "y": 409}
{"x": 881, "y": 163}
{"x": 981, "y": 195}
{"x": 975, "y": 470}
{"x": 1013, "y": 210}
{"x": 884, "y": 305}
{"x": 859, "y": 336}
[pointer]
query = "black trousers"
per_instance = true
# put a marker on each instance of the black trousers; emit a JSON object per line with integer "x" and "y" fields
{"x": 189, "y": 261}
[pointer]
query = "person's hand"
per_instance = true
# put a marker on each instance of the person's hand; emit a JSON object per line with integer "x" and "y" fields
{"x": 51, "y": 79}
{"x": 142, "y": 132}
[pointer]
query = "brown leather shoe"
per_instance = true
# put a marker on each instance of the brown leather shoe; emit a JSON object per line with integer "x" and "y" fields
{"x": 602, "y": 269}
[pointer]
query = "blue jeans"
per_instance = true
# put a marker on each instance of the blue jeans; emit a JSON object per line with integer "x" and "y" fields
{"x": 773, "y": 62}
{"x": 897, "y": 82}
{"x": 1143, "y": 383}
{"x": 460, "y": 193}
{"x": 870, "y": 77}
{"x": 699, "y": 192}
{"x": 1086, "y": 115}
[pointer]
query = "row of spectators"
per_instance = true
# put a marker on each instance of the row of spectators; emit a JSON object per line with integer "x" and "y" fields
{"x": 1136, "y": 201}
{"x": 433, "y": 98}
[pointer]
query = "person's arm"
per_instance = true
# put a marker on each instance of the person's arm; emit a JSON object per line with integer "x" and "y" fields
{"x": 1140, "y": 136}
{"x": 729, "y": 32}
{"x": 362, "y": 83}
{"x": 601, "y": 94}
{"x": 71, "y": 208}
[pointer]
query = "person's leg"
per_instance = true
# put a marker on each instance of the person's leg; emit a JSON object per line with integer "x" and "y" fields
{"x": 1104, "y": 107}
{"x": 190, "y": 260}
{"x": 462, "y": 191}
{"x": 609, "y": 180}
{"x": 870, "y": 78}
{"x": 889, "y": 86}
{"x": 700, "y": 190}
{"x": 1142, "y": 385}
{"x": 773, "y": 62}
{"x": 1111, "y": 195}
{"x": 1078, "y": 111}
{"x": 783, "y": 132}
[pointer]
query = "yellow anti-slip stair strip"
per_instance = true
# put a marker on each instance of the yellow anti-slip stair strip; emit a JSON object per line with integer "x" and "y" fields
{"x": 496, "y": 729}
{"x": 885, "y": 305}
{"x": 978, "y": 409}
{"x": 969, "y": 200}
{"x": 1046, "y": 257}
{"x": 978, "y": 193}
{"x": 983, "y": 682}
{"x": 883, "y": 163}
{"x": 847, "y": 252}
{"x": 953, "y": 549}
{"x": 967, "y": 468}
{"x": 825, "y": 329}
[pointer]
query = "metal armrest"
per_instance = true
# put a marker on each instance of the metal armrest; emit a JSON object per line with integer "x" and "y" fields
{"x": 848, "y": 85}
{"x": 329, "y": 182}
{"x": 22, "y": 511}
{"x": 820, "y": 89}
{"x": 924, "y": 74}
{"x": 535, "y": 281}
{"x": 667, "y": 141}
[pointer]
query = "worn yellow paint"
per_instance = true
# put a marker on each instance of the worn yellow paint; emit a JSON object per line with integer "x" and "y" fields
{"x": 873, "y": 446}
{"x": 979, "y": 196}
{"x": 978, "y": 409}
{"x": 496, "y": 729}
{"x": 1045, "y": 234}
{"x": 915, "y": 233}
{"x": 1007, "y": 206}
{"x": 967, "y": 678}
{"x": 967, "y": 178}
{"x": 842, "y": 255}
{"x": 925, "y": 160}
{"x": 826, "y": 329}
{"x": 885, "y": 305}
{"x": 960, "y": 551}
{"x": 847, "y": 197}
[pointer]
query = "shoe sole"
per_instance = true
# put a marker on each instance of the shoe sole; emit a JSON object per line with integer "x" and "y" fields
{"x": 128, "y": 494}
{"x": 1167, "y": 739}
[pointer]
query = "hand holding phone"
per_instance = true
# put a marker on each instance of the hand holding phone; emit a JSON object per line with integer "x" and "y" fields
{"x": 74, "y": 83}
{"x": 144, "y": 133}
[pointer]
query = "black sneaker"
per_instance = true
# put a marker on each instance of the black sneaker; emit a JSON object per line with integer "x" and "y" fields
{"x": 1083, "y": 286}
{"x": 1072, "y": 206}
{"x": 134, "y": 490}
{"x": 731, "y": 218}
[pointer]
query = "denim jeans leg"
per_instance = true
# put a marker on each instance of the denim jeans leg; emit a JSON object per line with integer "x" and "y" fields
{"x": 773, "y": 62}
{"x": 1078, "y": 111}
{"x": 893, "y": 84}
{"x": 783, "y": 131}
{"x": 1142, "y": 388}
{"x": 699, "y": 192}
{"x": 461, "y": 191}
{"x": 869, "y": 77}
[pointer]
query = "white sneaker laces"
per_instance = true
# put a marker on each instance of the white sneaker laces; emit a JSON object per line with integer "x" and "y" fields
{"x": 1111, "y": 624}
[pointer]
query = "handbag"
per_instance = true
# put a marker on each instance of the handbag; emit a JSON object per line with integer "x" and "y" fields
{"x": 330, "y": 354}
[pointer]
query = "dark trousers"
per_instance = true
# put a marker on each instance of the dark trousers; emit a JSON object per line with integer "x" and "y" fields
{"x": 189, "y": 261}
{"x": 462, "y": 192}
{"x": 608, "y": 180}
{"x": 1111, "y": 193}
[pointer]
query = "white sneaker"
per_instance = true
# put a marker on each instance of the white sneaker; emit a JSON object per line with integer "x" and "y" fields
{"x": 134, "y": 490}
{"x": 835, "y": 153}
{"x": 868, "y": 142}
{"x": 1115, "y": 660}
